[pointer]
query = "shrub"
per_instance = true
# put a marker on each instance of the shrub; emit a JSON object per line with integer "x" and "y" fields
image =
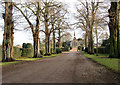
{"x": 65, "y": 49}
{"x": 54, "y": 51}
{"x": 95, "y": 50}
{"x": 24, "y": 45}
{"x": 86, "y": 49}
{"x": 82, "y": 48}
{"x": 79, "y": 47}
{"x": 27, "y": 52}
{"x": 42, "y": 52}
{"x": 29, "y": 45}
{"x": 58, "y": 50}
{"x": 17, "y": 52}
{"x": 101, "y": 50}
{"x": 70, "y": 48}
{"x": 64, "y": 44}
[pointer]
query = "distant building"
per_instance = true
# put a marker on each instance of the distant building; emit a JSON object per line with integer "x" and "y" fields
{"x": 75, "y": 43}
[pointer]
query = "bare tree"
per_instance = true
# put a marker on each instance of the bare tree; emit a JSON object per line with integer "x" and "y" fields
{"x": 87, "y": 18}
{"x": 35, "y": 29}
{"x": 49, "y": 14}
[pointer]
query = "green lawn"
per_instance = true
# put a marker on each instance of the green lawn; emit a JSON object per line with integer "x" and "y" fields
{"x": 21, "y": 59}
{"x": 53, "y": 55}
{"x": 8, "y": 63}
{"x": 27, "y": 59}
{"x": 110, "y": 63}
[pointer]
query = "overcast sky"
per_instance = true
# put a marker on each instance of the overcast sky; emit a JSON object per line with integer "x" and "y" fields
{"x": 26, "y": 37}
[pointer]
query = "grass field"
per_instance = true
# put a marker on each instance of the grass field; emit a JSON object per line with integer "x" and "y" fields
{"x": 21, "y": 59}
{"x": 9, "y": 63}
{"x": 110, "y": 63}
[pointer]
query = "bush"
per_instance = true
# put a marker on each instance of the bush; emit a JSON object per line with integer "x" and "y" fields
{"x": 54, "y": 51}
{"x": 42, "y": 52}
{"x": 70, "y": 48}
{"x": 27, "y": 52}
{"x": 79, "y": 47}
{"x": 82, "y": 48}
{"x": 101, "y": 50}
{"x": 95, "y": 50}
{"x": 64, "y": 44}
{"x": 58, "y": 50}
{"x": 17, "y": 52}
{"x": 29, "y": 45}
{"x": 65, "y": 49}
{"x": 86, "y": 49}
{"x": 24, "y": 45}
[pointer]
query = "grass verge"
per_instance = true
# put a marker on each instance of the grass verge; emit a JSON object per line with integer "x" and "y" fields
{"x": 9, "y": 63}
{"x": 21, "y": 59}
{"x": 53, "y": 55}
{"x": 110, "y": 63}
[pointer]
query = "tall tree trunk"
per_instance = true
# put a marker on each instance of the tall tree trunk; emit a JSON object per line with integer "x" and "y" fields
{"x": 96, "y": 41}
{"x": 59, "y": 38}
{"x": 7, "y": 47}
{"x": 118, "y": 29}
{"x": 47, "y": 44}
{"x": 12, "y": 39}
{"x": 86, "y": 39}
{"x": 54, "y": 43}
{"x": 36, "y": 33}
{"x": 36, "y": 45}
{"x": 114, "y": 28}
{"x": 89, "y": 43}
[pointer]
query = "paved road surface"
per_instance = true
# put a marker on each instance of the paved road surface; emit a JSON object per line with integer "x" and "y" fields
{"x": 70, "y": 67}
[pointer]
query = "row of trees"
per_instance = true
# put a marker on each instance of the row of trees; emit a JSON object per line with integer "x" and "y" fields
{"x": 90, "y": 19}
{"x": 93, "y": 17}
{"x": 46, "y": 14}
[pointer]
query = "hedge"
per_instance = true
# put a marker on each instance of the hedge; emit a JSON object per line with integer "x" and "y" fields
{"x": 27, "y": 52}
{"x": 83, "y": 49}
{"x": 42, "y": 52}
{"x": 17, "y": 52}
{"x": 27, "y": 45}
{"x": 86, "y": 49}
{"x": 65, "y": 49}
{"x": 24, "y": 45}
{"x": 70, "y": 48}
{"x": 58, "y": 50}
{"x": 102, "y": 50}
{"x": 79, "y": 47}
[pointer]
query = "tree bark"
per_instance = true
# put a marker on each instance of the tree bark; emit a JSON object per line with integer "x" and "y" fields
{"x": 36, "y": 45}
{"x": 54, "y": 43}
{"x": 59, "y": 38}
{"x": 86, "y": 40}
{"x": 47, "y": 44}
{"x": 7, "y": 47}
{"x": 114, "y": 29}
{"x": 97, "y": 41}
{"x": 36, "y": 33}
